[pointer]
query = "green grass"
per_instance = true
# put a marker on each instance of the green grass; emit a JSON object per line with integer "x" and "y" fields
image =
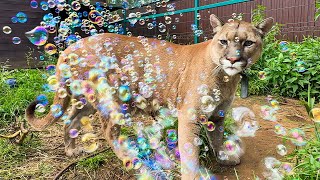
{"x": 13, "y": 101}
{"x": 95, "y": 162}
{"x": 12, "y": 155}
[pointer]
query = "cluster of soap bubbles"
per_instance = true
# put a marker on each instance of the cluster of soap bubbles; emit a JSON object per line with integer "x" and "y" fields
{"x": 276, "y": 170}
{"x": 269, "y": 111}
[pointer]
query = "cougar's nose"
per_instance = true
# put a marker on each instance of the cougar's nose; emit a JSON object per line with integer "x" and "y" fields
{"x": 233, "y": 59}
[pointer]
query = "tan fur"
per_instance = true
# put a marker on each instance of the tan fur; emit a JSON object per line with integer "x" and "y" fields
{"x": 194, "y": 65}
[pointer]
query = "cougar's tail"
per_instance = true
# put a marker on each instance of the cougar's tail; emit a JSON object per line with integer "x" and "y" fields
{"x": 42, "y": 123}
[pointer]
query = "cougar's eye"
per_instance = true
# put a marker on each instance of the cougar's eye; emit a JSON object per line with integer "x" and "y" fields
{"x": 224, "y": 42}
{"x": 248, "y": 43}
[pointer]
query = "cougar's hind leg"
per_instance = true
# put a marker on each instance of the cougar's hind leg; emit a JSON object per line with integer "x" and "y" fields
{"x": 75, "y": 117}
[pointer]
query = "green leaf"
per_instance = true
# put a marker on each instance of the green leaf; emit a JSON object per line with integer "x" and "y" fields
{"x": 295, "y": 88}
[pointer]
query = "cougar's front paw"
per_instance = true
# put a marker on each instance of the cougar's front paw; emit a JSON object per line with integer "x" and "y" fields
{"x": 232, "y": 161}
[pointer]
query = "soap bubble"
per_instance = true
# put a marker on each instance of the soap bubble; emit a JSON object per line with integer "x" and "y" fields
{"x": 207, "y": 104}
{"x": 168, "y": 20}
{"x": 95, "y": 17}
{"x": 90, "y": 144}
{"x": 34, "y": 4}
{"x": 211, "y": 126}
{"x": 16, "y": 40}
{"x": 280, "y": 130}
{"x": 124, "y": 93}
{"x": 75, "y": 5}
{"x": 44, "y": 5}
{"x": 22, "y": 17}
{"x": 132, "y": 18}
{"x": 37, "y": 36}
{"x": 162, "y": 28}
{"x": 284, "y": 46}
{"x": 51, "y": 49}
{"x": 300, "y": 66}
{"x": 42, "y": 99}
{"x": 14, "y": 19}
{"x": 246, "y": 122}
{"x": 40, "y": 108}
{"x": 316, "y": 114}
{"x": 6, "y": 29}
{"x": 268, "y": 113}
{"x": 297, "y": 137}
{"x": 73, "y": 133}
{"x": 281, "y": 150}
{"x": 56, "y": 110}
{"x": 203, "y": 119}
{"x": 271, "y": 163}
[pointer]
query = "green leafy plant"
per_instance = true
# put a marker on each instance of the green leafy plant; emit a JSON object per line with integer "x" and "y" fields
{"x": 317, "y": 15}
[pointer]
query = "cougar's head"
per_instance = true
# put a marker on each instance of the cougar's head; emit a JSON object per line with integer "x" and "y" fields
{"x": 237, "y": 44}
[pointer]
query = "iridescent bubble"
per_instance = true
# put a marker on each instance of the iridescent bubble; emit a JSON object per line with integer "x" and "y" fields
{"x": 22, "y": 17}
{"x": 203, "y": 89}
{"x": 14, "y": 19}
{"x": 38, "y": 36}
{"x": 51, "y": 69}
{"x": 75, "y": 5}
{"x": 16, "y": 40}
{"x": 172, "y": 136}
{"x": 207, "y": 104}
{"x": 73, "y": 133}
{"x": 56, "y": 110}
{"x": 284, "y": 46}
{"x": 162, "y": 28}
{"x": 79, "y": 105}
{"x": 33, "y": 4}
{"x": 150, "y": 26}
{"x": 127, "y": 163}
{"x": 281, "y": 150}
{"x": 75, "y": 87}
{"x": 90, "y": 144}
{"x": 40, "y": 108}
{"x": 7, "y": 29}
{"x": 231, "y": 147}
{"x": 203, "y": 119}
{"x": 271, "y": 163}
{"x": 132, "y": 18}
{"x": 280, "y": 130}
{"x": 71, "y": 39}
{"x": 136, "y": 163}
{"x": 62, "y": 92}
{"x": 221, "y": 113}
{"x": 211, "y": 126}
{"x": 95, "y": 17}
{"x": 316, "y": 114}
{"x": 197, "y": 141}
{"x": 223, "y": 156}
{"x": 51, "y": 49}
{"x": 44, "y": 5}
{"x": 124, "y": 93}
{"x": 297, "y": 137}
{"x": 42, "y": 99}
{"x": 286, "y": 168}
{"x": 142, "y": 22}
{"x": 168, "y": 19}
{"x": 189, "y": 149}
{"x": 300, "y": 66}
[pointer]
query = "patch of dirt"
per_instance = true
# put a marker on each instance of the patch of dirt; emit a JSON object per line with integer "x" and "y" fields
{"x": 48, "y": 160}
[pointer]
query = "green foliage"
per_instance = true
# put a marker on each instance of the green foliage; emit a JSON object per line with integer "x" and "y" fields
{"x": 94, "y": 163}
{"x": 13, "y": 101}
{"x": 281, "y": 68}
{"x": 307, "y": 161}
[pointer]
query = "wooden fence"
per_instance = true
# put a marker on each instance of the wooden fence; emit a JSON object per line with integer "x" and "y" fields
{"x": 297, "y": 17}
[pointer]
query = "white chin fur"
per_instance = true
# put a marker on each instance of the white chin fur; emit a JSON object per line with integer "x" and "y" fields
{"x": 231, "y": 71}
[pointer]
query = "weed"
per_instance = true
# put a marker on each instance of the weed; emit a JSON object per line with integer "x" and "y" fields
{"x": 95, "y": 162}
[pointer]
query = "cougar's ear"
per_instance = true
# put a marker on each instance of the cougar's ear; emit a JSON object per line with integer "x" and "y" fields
{"x": 216, "y": 23}
{"x": 265, "y": 26}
